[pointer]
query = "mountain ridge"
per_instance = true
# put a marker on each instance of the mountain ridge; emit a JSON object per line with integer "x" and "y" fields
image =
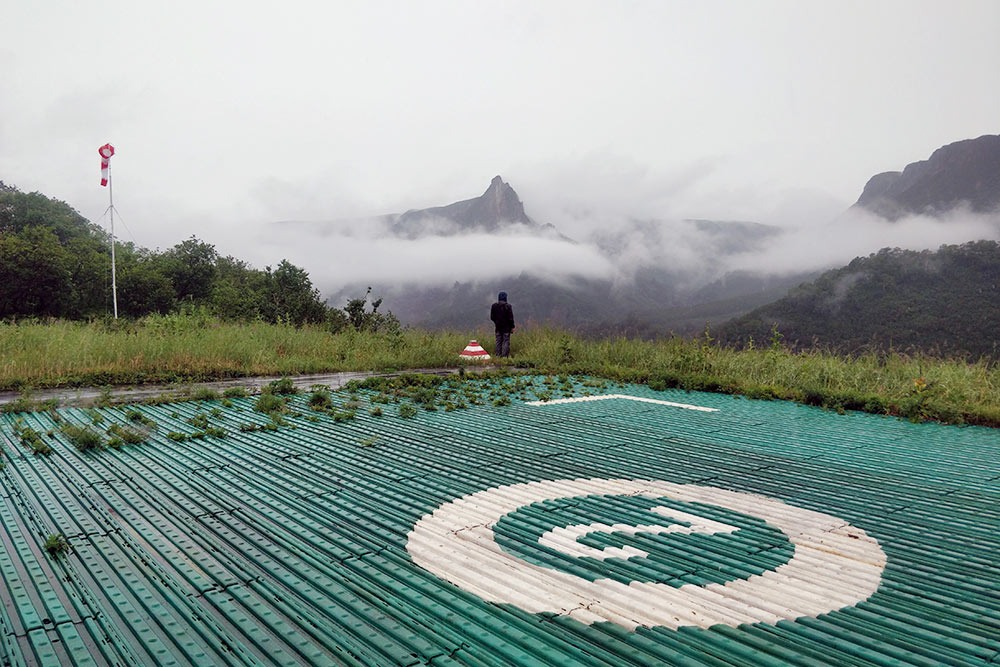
{"x": 963, "y": 172}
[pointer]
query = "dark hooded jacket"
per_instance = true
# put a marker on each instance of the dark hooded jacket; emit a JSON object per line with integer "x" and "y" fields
{"x": 503, "y": 316}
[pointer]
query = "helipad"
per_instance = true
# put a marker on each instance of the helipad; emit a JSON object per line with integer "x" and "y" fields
{"x": 635, "y": 527}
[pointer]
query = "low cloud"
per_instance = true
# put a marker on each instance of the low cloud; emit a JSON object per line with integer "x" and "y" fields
{"x": 360, "y": 252}
{"x": 858, "y": 233}
{"x": 614, "y": 218}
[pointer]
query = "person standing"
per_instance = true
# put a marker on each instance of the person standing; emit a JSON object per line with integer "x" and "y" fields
{"x": 503, "y": 319}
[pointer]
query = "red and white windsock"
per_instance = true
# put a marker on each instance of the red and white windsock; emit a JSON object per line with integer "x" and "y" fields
{"x": 474, "y": 352}
{"x": 106, "y": 151}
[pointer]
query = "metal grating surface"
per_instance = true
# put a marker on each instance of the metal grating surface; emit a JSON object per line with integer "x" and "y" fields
{"x": 299, "y": 545}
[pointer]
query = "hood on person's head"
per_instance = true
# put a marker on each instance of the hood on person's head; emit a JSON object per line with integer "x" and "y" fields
{"x": 502, "y": 296}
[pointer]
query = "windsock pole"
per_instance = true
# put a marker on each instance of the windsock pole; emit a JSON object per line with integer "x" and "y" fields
{"x": 106, "y": 151}
{"x": 111, "y": 209}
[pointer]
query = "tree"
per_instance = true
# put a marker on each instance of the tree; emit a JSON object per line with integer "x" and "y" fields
{"x": 143, "y": 289}
{"x": 35, "y": 274}
{"x": 190, "y": 265}
{"x": 291, "y": 296}
{"x": 373, "y": 320}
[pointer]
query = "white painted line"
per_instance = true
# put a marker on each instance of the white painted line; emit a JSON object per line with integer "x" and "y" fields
{"x": 584, "y": 399}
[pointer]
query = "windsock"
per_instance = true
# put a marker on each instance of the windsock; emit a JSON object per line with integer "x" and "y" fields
{"x": 106, "y": 151}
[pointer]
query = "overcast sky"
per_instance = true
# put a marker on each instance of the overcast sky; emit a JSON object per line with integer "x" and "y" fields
{"x": 227, "y": 115}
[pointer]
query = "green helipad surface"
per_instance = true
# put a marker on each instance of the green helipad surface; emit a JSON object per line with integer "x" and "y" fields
{"x": 612, "y": 531}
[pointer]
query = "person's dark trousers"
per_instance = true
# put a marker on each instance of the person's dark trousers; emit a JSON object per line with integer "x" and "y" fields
{"x": 503, "y": 345}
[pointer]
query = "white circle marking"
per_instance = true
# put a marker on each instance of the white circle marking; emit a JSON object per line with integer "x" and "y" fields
{"x": 834, "y": 564}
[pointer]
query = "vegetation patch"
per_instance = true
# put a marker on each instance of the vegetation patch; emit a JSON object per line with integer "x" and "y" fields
{"x": 125, "y": 435}
{"x": 270, "y": 404}
{"x": 284, "y": 386}
{"x": 204, "y": 394}
{"x": 56, "y": 545}
{"x": 83, "y": 438}
{"x": 321, "y": 401}
{"x": 31, "y": 439}
{"x": 200, "y": 348}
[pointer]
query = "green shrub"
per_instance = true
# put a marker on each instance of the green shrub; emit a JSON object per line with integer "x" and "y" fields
{"x": 376, "y": 411}
{"x": 343, "y": 415}
{"x": 83, "y": 438}
{"x": 200, "y": 420}
{"x": 320, "y": 401}
{"x": 22, "y": 404}
{"x": 96, "y": 418}
{"x": 56, "y": 545}
{"x": 283, "y": 386}
{"x": 205, "y": 394}
{"x": 269, "y": 403}
{"x": 235, "y": 392}
{"x": 138, "y": 417}
{"x": 407, "y": 411}
{"x": 31, "y": 439}
{"x": 126, "y": 435}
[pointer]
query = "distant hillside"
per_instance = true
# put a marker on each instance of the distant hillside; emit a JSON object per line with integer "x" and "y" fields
{"x": 944, "y": 302}
{"x": 963, "y": 173}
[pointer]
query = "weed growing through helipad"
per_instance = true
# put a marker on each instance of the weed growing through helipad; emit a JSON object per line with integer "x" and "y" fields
{"x": 282, "y": 386}
{"x": 56, "y": 545}
{"x": 125, "y": 435}
{"x": 83, "y": 438}
{"x": 320, "y": 401}
{"x": 343, "y": 415}
{"x": 137, "y": 417}
{"x": 31, "y": 439}
{"x": 205, "y": 394}
{"x": 200, "y": 420}
{"x": 269, "y": 403}
{"x": 20, "y": 404}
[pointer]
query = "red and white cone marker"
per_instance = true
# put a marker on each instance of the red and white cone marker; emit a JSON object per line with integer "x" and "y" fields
{"x": 474, "y": 352}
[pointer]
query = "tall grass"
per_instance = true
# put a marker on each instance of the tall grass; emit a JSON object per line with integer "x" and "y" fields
{"x": 183, "y": 348}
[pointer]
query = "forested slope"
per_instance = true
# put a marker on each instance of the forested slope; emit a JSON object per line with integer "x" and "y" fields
{"x": 54, "y": 263}
{"x": 945, "y": 302}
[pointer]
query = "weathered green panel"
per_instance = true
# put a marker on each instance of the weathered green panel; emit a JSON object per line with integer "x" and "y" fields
{"x": 296, "y": 545}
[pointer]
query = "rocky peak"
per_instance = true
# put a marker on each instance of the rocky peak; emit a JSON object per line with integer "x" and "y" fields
{"x": 500, "y": 203}
{"x": 962, "y": 173}
{"x": 498, "y": 207}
